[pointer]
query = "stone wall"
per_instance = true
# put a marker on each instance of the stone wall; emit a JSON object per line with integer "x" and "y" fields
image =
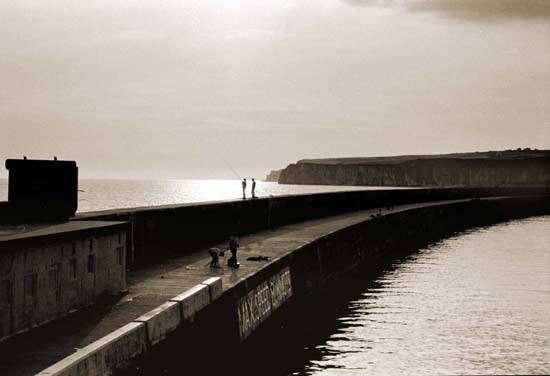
{"x": 44, "y": 278}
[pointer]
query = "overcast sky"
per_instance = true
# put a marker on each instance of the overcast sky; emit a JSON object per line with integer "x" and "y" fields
{"x": 188, "y": 89}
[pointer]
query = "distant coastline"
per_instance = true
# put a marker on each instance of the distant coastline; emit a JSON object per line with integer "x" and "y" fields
{"x": 521, "y": 167}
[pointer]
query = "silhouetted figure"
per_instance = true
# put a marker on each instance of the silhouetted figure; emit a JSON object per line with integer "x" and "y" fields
{"x": 233, "y": 246}
{"x": 244, "y": 188}
{"x": 215, "y": 253}
{"x": 253, "y": 188}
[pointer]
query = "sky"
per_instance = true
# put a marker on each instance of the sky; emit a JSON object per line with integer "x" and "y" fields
{"x": 227, "y": 89}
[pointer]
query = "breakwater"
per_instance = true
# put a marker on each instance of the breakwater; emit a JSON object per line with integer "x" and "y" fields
{"x": 158, "y": 232}
{"x": 302, "y": 262}
{"x": 364, "y": 247}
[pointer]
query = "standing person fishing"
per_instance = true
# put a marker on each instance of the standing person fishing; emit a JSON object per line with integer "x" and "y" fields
{"x": 233, "y": 246}
{"x": 226, "y": 161}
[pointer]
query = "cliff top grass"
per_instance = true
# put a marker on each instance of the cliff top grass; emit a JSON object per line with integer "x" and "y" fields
{"x": 518, "y": 154}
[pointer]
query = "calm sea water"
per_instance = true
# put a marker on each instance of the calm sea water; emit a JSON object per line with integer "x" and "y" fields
{"x": 477, "y": 303}
{"x": 112, "y": 194}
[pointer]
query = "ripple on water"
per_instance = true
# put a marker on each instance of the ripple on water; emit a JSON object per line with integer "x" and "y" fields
{"x": 477, "y": 303}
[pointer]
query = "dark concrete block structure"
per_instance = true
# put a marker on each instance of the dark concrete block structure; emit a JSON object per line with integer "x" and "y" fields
{"x": 40, "y": 190}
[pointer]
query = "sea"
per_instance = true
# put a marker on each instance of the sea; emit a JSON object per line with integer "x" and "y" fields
{"x": 477, "y": 303}
{"x": 103, "y": 194}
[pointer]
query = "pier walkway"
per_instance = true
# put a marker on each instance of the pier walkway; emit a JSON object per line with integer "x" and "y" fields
{"x": 149, "y": 287}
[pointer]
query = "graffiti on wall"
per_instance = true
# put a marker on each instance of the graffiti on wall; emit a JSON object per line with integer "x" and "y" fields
{"x": 260, "y": 302}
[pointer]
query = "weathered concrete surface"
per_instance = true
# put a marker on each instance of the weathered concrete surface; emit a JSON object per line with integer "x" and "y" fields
{"x": 49, "y": 270}
{"x": 312, "y": 249}
{"x": 117, "y": 349}
{"x": 53, "y": 231}
{"x": 215, "y": 287}
{"x": 261, "y": 301}
{"x": 161, "y": 321}
{"x": 192, "y": 300}
{"x": 105, "y": 355}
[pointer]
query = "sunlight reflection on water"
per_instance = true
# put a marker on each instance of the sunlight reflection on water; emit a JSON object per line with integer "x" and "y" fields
{"x": 478, "y": 303}
{"x": 111, "y": 194}
{"x": 107, "y": 194}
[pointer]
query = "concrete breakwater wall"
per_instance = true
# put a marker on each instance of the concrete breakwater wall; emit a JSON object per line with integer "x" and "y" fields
{"x": 369, "y": 245}
{"x": 156, "y": 231}
{"x": 116, "y": 350}
{"x": 197, "y": 345}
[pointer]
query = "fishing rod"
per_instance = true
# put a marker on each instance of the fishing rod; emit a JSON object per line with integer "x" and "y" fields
{"x": 226, "y": 161}
{"x": 240, "y": 178}
{"x": 231, "y": 168}
{"x": 220, "y": 156}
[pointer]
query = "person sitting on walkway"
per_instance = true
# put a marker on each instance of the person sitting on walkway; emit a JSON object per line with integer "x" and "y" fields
{"x": 233, "y": 246}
